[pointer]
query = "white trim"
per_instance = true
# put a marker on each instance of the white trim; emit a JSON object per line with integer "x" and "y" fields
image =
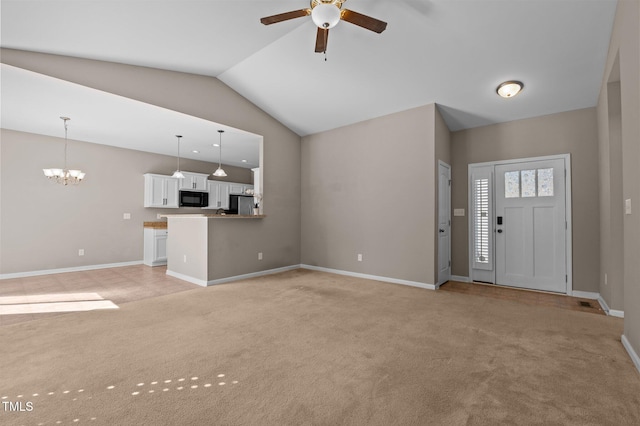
{"x": 585, "y": 294}
{"x": 64, "y": 270}
{"x": 187, "y": 278}
{"x": 632, "y": 353}
{"x": 204, "y": 283}
{"x": 611, "y": 312}
{"x": 252, "y": 275}
{"x": 448, "y": 167}
{"x": 603, "y": 304}
{"x": 371, "y": 277}
{"x": 460, "y": 278}
{"x": 616, "y": 313}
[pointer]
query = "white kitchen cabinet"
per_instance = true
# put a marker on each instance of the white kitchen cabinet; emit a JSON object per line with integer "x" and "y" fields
{"x": 160, "y": 191}
{"x": 236, "y": 188}
{"x": 155, "y": 246}
{"x": 194, "y": 181}
{"x": 218, "y": 195}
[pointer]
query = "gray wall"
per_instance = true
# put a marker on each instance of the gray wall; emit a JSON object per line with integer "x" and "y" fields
{"x": 370, "y": 188}
{"x": 573, "y": 132}
{"x": 200, "y": 96}
{"x": 625, "y": 45}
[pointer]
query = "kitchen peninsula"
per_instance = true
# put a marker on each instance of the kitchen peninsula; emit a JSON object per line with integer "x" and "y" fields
{"x": 208, "y": 249}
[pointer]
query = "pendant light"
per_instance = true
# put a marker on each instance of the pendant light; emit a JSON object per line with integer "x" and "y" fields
{"x": 64, "y": 176}
{"x": 219, "y": 172}
{"x": 178, "y": 174}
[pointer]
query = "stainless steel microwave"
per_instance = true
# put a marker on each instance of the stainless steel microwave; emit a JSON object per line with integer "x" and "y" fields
{"x": 194, "y": 199}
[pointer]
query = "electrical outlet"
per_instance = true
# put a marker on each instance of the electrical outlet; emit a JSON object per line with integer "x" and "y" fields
{"x": 126, "y": 216}
{"x": 81, "y": 252}
{"x": 184, "y": 259}
{"x": 260, "y": 256}
{"x": 627, "y": 206}
{"x": 359, "y": 257}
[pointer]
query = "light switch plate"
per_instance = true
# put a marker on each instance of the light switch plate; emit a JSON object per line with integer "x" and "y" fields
{"x": 458, "y": 212}
{"x": 627, "y": 206}
{"x": 126, "y": 216}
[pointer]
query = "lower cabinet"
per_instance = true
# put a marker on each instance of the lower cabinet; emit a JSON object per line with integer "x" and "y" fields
{"x": 155, "y": 246}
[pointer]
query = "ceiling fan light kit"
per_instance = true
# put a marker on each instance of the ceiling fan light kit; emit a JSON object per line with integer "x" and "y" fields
{"x": 325, "y": 15}
{"x": 509, "y": 89}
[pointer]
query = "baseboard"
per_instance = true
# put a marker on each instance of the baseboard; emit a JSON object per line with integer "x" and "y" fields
{"x": 616, "y": 313}
{"x": 252, "y": 275}
{"x": 585, "y": 294}
{"x": 65, "y": 270}
{"x": 370, "y": 277}
{"x": 632, "y": 353}
{"x": 460, "y": 278}
{"x": 610, "y": 312}
{"x": 187, "y": 278}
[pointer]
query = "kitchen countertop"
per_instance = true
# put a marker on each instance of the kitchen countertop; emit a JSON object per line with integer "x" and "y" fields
{"x": 156, "y": 225}
{"x": 215, "y": 216}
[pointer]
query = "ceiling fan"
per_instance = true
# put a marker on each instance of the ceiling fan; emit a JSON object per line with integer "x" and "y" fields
{"x": 326, "y": 14}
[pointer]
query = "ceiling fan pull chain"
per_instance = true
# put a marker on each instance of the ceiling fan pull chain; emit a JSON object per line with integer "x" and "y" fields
{"x": 326, "y": 35}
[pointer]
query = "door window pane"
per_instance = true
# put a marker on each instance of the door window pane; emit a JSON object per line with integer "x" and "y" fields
{"x": 528, "y": 183}
{"x": 481, "y": 218}
{"x": 545, "y": 182}
{"x": 512, "y": 184}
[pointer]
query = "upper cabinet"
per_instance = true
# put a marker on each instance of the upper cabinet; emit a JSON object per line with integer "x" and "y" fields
{"x": 194, "y": 182}
{"x": 160, "y": 191}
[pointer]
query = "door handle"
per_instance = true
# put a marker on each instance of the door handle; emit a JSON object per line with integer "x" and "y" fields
{"x": 499, "y": 231}
{"x": 441, "y": 230}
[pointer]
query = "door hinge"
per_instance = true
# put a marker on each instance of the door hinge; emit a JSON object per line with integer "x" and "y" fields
{"x": 449, "y": 222}
{"x": 566, "y": 278}
{"x": 449, "y": 182}
{"x": 449, "y": 263}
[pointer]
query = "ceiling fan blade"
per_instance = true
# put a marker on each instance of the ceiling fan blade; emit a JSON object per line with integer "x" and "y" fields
{"x": 363, "y": 21}
{"x": 321, "y": 40}
{"x": 268, "y": 20}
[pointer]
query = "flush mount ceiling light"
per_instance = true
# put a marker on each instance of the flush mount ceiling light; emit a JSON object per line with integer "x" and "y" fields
{"x": 64, "y": 176}
{"x": 509, "y": 89}
{"x": 178, "y": 174}
{"x": 219, "y": 172}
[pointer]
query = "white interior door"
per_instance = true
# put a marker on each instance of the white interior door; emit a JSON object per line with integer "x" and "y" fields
{"x": 530, "y": 225}
{"x": 444, "y": 223}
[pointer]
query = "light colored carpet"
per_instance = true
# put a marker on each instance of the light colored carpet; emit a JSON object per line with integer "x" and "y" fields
{"x": 307, "y": 348}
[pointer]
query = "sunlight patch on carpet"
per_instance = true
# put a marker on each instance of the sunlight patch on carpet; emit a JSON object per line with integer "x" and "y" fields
{"x": 53, "y": 303}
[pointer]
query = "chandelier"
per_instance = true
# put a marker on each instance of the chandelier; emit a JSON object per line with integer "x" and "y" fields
{"x": 64, "y": 176}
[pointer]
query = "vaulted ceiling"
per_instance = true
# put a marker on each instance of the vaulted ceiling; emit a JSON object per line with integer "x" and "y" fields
{"x": 450, "y": 52}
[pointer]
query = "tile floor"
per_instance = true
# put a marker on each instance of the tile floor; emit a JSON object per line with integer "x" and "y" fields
{"x": 529, "y": 297}
{"x": 119, "y": 285}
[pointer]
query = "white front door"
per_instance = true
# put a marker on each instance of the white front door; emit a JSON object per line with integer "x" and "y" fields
{"x": 530, "y": 225}
{"x": 444, "y": 223}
